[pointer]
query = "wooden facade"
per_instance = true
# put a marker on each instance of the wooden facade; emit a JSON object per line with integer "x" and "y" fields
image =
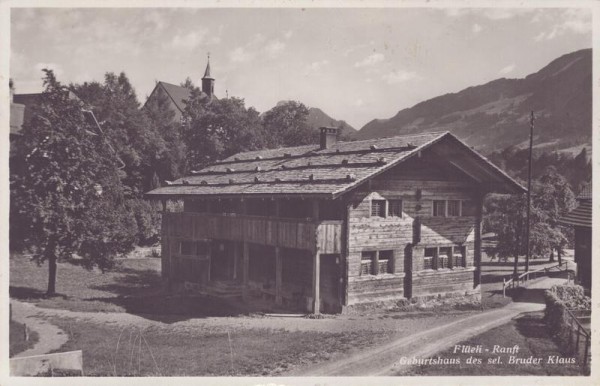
{"x": 580, "y": 219}
{"x": 406, "y": 229}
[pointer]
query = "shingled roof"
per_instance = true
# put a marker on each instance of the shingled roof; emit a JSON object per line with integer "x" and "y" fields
{"x": 310, "y": 170}
{"x": 580, "y": 216}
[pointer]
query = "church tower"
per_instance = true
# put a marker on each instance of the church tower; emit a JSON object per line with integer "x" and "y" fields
{"x": 208, "y": 82}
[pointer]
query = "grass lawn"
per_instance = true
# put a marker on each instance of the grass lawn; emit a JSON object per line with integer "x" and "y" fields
{"x": 18, "y": 344}
{"x": 154, "y": 351}
{"x": 528, "y": 332}
{"x": 79, "y": 289}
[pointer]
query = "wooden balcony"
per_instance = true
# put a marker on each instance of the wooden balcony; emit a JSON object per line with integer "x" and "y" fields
{"x": 321, "y": 237}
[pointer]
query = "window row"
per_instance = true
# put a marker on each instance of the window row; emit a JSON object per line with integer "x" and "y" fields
{"x": 386, "y": 208}
{"x": 376, "y": 262}
{"x": 440, "y": 208}
{"x": 444, "y": 257}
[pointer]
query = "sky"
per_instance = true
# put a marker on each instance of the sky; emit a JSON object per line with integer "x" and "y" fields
{"x": 354, "y": 64}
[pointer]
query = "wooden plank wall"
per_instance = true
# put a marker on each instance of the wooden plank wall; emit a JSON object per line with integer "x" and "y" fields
{"x": 289, "y": 233}
{"x": 393, "y": 233}
{"x": 427, "y": 283}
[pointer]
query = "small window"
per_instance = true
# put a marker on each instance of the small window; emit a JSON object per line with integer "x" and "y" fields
{"x": 395, "y": 208}
{"x": 458, "y": 256}
{"x": 439, "y": 208}
{"x": 366, "y": 263}
{"x": 453, "y": 208}
{"x": 429, "y": 257}
{"x": 444, "y": 257}
{"x": 377, "y": 208}
{"x": 386, "y": 261}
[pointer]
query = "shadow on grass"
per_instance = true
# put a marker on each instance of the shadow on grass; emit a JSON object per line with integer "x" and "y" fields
{"x": 171, "y": 309}
{"x": 531, "y": 325}
{"x": 26, "y": 293}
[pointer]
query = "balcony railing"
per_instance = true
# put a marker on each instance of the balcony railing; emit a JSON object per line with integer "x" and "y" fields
{"x": 323, "y": 236}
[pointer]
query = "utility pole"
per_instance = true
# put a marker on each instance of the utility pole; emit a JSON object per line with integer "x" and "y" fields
{"x": 528, "y": 255}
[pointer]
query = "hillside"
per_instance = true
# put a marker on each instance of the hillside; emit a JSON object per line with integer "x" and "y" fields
{"x": 495, "y": 115}
{"x": 317, "y": 118}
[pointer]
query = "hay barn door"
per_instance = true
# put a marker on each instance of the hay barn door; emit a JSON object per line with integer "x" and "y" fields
{"x": 221, "y": 261}
{"x": 330, "y": 285}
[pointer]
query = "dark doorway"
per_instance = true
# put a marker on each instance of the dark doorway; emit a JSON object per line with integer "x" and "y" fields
{"x": 330, "y": 288}
{"x": 221, "y": 260}
{"x": 408, "y": 267}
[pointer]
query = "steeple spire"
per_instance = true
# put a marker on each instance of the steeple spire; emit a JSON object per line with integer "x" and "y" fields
{"x": 208, "y": 82}
{"x": 207, "y": 71}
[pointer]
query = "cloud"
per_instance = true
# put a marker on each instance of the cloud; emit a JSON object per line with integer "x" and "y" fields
{"x": 316, "y": 66}
{"x": 508, "y": 69}
{"x": 190, "y": 40}
{"x": 274, "y": 48}
{"x": 399, "y": 76}
{"x": 476, "y": 28}
{"x": 577, "y": 21}
{"x": 359, "y": 102}
{"x": 240, "y": 55}
{"x": 288, "y": 34}
{"x": 370, "y": 60}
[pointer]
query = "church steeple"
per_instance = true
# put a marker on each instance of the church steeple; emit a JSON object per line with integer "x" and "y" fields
{"x": 208, "y": 82}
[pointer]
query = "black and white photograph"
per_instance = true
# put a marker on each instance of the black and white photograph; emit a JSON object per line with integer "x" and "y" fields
{"x": 298, "y": 193}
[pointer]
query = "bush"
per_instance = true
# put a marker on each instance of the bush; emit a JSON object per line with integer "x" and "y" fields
{"x": 558, "y": 300}
{"x": 147, "y": 219}
{"x": 572, "y": 296}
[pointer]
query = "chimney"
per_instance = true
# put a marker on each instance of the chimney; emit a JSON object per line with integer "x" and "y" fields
{"x": 328, "y": 137}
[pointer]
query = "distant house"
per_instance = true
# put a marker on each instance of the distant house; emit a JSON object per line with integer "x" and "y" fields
{"x": 323, "y": 227}
{"x": 17, "y": 115}
{"x": 581, "y": 219}
{"x": 178, "y": 95}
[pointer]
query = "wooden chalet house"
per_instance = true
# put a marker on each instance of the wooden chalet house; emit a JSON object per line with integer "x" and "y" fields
{"x": 580, "y": 219}
{"x": 323, "y": 227}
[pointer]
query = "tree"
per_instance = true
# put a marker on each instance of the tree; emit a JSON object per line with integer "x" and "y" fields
{"x": 220, "y": 128}
{"x": 127, "y": 128}
{"x": 505, "y": 215}
{"x": 170, "y": 163}
{"x": 286, "y": 125}
{"x": 68, "y": 199}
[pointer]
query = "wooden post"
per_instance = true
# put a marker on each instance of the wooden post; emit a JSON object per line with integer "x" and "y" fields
{"x": 245, "y": 267}
{"x": 315, "y": 210}
{"x": 278, "y": 269}
{"x": 316, "y": 283}
{"x": 236, "y": 256}
{"x": 164, "y": 205}
{"x": 376, "y": 263}
{"x": 477, "y": 243}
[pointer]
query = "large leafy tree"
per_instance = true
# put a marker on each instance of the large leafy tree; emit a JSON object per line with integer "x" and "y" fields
{"x": 506, "y": 216}
{"x": 137, "y": 141}
{"x": 219, "y": 128}
{"x": 67, "y": 197}
{"x": 145, "y": 142}
{"x": 170, "y": 162}
{"x": 286, "y": 125}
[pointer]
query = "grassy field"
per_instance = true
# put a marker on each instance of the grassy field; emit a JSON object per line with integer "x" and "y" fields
{"x": 79, "y": 289}
{"x": 17, "y": 342}
{"x": 155, "y": 351}
{"x": 528, "y": 332}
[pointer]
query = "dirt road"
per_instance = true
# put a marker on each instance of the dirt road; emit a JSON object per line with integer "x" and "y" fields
{"x": 384, "y": 360}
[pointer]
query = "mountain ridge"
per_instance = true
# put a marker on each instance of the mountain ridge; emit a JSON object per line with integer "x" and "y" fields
{"x": 495, "y": 115}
